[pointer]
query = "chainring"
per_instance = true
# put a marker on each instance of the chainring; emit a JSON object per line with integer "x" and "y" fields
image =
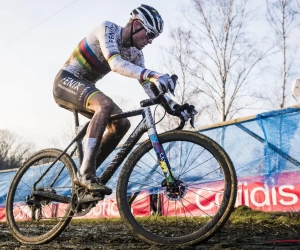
{"x": 80, "y": 209}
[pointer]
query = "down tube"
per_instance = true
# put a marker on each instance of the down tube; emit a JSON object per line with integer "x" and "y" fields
{"x": 124, "y": 151}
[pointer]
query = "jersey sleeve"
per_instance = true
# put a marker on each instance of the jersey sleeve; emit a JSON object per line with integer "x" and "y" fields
{"x": 139, "y": 60}
{"x": 107, "y": 33}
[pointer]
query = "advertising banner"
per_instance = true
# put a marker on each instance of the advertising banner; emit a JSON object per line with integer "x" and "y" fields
{"x": 256, "y": 195}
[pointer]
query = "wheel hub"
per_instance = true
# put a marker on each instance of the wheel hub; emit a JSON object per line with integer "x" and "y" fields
{"x": 37, "y": 200}
{"x": 176, "y": 191}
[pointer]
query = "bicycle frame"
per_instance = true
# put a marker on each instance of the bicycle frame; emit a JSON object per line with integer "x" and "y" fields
{"x": 146, "y": 124}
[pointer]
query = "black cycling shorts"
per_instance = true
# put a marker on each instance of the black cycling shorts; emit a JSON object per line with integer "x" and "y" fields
{"x": 72, "y": 93}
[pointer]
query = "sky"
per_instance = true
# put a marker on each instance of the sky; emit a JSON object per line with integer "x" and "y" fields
{"x": 36, "y": 39}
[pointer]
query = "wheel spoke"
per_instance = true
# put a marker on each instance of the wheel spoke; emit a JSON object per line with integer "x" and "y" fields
{"x": 32, "y": 213}
{"x": 194, "y": 206}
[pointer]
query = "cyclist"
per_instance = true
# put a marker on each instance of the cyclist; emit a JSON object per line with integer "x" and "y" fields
{"x": 110, "y": 47}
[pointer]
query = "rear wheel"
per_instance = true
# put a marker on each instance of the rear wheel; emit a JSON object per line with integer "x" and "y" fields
{"x": 195, "y": 207}
{"x": 36, "y": 216}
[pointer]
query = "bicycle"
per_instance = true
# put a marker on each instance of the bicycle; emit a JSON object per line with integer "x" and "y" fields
{"x": 162, "y": 173}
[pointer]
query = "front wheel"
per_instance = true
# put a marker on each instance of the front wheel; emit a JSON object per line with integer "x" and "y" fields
{"x": 38, "y": 204}
{"x": 201, "y": 203}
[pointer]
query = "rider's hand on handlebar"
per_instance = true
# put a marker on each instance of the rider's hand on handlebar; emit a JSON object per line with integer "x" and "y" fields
{"x": 185, "y": 110}
{"x": 164, "y": 83}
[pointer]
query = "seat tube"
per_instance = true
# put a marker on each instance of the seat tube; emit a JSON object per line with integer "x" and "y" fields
{"x": 79, "y": 141}
{"x": 158, "y": 148}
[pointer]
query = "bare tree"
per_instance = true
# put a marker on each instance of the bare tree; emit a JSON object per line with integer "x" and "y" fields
{"x": 223, "y": 56}
{"x": 66, "y": 135}
{"x": 283, "y": 17}
{"x": 176, "y": 59}
{"x": 13, "y": 150}
{"x": 297, "y": 9}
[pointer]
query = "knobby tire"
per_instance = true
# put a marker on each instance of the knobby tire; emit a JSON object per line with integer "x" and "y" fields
{"x": 33, "y": 231}
{"x": 203, "y": 168}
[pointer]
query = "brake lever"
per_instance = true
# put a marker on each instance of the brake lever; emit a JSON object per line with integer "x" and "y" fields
{"x": 192, "y": 120}
{"x": 174, "y": 79}
{"x": 182, "y": 123}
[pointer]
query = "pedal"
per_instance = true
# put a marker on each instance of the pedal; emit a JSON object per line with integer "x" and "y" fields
{"x": 90, "y": 198}
{"x": 82, "y": 195}
{"x": 98, "y": 195}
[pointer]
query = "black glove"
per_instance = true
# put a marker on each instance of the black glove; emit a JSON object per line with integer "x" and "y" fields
{"x": 164, "y": 83}
{"x": 185, "y": 110}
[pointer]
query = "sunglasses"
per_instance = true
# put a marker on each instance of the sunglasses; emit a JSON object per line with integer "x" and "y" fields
{"x": 150, "y": 35}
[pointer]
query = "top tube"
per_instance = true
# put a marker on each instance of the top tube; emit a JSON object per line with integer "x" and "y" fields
{"x": 126, "y": 114}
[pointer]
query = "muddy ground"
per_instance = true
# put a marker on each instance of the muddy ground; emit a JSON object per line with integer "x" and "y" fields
{"x": 244, "y": 235}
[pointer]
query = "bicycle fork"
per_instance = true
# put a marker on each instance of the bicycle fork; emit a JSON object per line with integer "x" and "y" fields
{"x": 159, "y": 150}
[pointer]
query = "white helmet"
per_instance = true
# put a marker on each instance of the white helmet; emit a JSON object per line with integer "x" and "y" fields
{"x": 149, "y": 17}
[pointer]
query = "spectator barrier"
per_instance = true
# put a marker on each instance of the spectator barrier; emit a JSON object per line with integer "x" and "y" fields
{"x": 264, "y": 150}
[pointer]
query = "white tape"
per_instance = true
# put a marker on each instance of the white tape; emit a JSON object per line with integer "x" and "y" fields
{"x": 296, "y": 90}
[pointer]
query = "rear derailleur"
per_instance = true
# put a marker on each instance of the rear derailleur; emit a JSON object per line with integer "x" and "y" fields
{"x": 37, "y": 199}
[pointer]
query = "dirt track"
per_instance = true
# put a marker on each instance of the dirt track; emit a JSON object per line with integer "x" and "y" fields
{"x": 246, "y": 235}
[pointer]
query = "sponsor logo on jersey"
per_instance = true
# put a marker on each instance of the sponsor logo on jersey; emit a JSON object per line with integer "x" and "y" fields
{"x": 71, "y": 83}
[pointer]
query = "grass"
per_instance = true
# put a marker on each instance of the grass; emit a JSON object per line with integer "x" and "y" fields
{"x": 244, "y": 214}
{"x": 240, "y": 215}
{"x": 97, "y": 221}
